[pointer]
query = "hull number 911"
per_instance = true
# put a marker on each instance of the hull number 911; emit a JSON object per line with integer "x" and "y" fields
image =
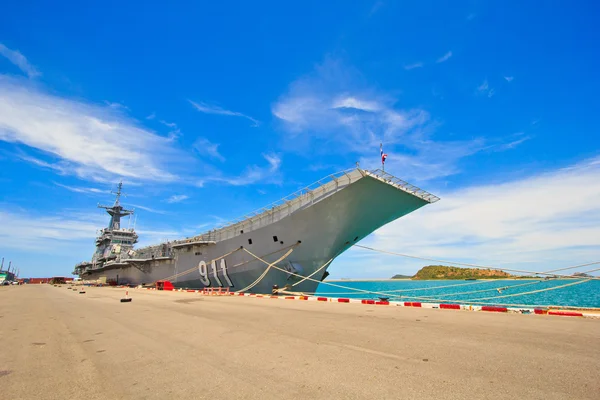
{"x": 205, "y": 275}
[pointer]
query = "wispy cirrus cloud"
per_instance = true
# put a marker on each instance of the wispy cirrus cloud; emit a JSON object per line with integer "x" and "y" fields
{"x": 205, "y": 147}
{"x": 18, "y": 59}
{"x": 538, "y": 222}
{"x": 485, "y": 89}
{"x": 148, "y": 209}
{"x": 47, "y": 233}
{"x": 169, "y": 124}
{"x": 213, "y": 109}
{"x": 514, "y": 141}
{"x": 174, "y": 133}
{"x": 84, "y": 190}
{"x": 509, "y": 78}
{"x": 269, "y": 174}
{"x": 347, "y": 117}
{"x": 65, "y": 232}
{"x": 83, "y": 139}
{"x": 445, "y": 57}
{"x": 177, "y": 198}
{"x": 413, "y": 66}
{"x": 115, "y": 105}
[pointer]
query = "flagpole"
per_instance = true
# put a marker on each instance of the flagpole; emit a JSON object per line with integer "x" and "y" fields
{"x": 381, "y": 152}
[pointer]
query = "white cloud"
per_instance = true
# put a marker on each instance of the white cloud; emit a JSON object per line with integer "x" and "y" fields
{"x": 358, "y": 104}
{"x": 177, "y": 198}
{"x": 347, "y": 117}
{"x": 149, "y": 209}
{"x": 254, "y": 173}
{"x": 85, "y": 190}
{"x": 509, "y": 78}
{"x": 89, "y": 141}
{"x": 116, "y": 106}
{"x": 169, "y": 124}
{"x": 445, "y": 57}
{"x": 19, "y": 60}
{"x": 151, "y": 116}
{"x": 485, "y": 89}
{"x": 44, "y": 233}
{"x": 535, "y": 223}
{"x": 212, "y": 109}
{"x": 413, "y": 66}
{"x": 512, "y": 144}
{"x": 68, "y": 234}
{"x": 206, "y": 148}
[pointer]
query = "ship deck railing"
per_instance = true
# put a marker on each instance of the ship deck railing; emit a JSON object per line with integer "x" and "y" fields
{"x": 405, "y": 186}
{"x": 298, "y": 200}
{"x": 278, "y": 209}
{"x": 269, "y": 214}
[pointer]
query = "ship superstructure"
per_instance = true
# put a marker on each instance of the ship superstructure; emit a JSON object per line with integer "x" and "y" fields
{"x": 300, "y": 234}
{"x": 113, "y": 241}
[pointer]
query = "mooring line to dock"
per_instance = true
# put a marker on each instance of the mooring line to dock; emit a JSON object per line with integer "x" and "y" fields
{"x": 499, "y": 297}
{"x": 306, "y": 277}
{"x": 384, "y": 294}
{"x": 447, "y": 286}
{"x": 269, "y": 266}
{"x": 535, "y": 291}
{"x": 488, "y": 290}
{"x": 488, "y": 267}
{"x": 478, "y": 300}
{"x": 268, "y": 254}
{"x": 317, "y": 270}
{"x": 429, "y": 288}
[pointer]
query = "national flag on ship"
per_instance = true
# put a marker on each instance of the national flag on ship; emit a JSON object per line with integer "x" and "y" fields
{"x": 383, "y": 155}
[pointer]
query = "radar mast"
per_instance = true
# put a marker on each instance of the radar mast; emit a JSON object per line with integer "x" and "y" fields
{"x": 116, "y": 211}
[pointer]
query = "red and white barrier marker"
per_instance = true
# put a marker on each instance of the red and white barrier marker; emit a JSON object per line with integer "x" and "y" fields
{"x": 127, "y": 299}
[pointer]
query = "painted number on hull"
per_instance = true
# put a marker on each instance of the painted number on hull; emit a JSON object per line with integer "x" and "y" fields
{"x": 203, "y": 273}
{"x": 204, "y": 276}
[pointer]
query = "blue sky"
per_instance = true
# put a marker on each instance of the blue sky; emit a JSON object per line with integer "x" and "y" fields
{"x": 209, "y": 111}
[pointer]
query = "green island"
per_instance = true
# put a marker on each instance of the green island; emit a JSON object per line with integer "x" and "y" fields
{"x": 445, "y": 272}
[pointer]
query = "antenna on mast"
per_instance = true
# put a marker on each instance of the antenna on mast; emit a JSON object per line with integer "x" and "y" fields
{"x": 118, "y": 192}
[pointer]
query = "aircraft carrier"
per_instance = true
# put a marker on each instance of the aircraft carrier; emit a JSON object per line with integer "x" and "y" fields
{"x": 299, "y": 235}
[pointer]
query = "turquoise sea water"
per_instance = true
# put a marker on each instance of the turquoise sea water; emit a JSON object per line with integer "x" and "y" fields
{"x": 579, "y": 293}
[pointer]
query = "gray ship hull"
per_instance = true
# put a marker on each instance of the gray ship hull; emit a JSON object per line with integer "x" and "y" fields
{"x": 315, "y": 231}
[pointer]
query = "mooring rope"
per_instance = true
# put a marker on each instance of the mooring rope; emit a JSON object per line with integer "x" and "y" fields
{"x": 391, "y": 293}
{"x": 483, "y": 266}
{"x": 317, "y": 270}
{"x": 487, "y": 290}
{"x": 269, "y": 266}
{"x": 305, "y": 277}
{"x": 446, "y": 286}
{"x": 535, "y": 291}
{"x": 475, "y": 301}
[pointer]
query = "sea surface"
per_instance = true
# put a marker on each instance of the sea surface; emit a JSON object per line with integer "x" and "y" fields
{"x": 554, "y": 292}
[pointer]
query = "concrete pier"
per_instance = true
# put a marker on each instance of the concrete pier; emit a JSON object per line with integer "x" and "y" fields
{"x": 58, "y": 344}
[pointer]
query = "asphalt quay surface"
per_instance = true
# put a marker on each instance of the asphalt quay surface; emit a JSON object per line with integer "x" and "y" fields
{"x": 58, "y": 344}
